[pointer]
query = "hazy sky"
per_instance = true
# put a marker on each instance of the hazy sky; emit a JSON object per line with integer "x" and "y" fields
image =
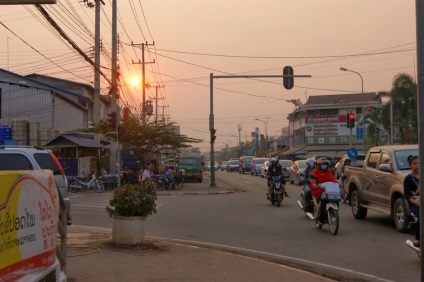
{"x": 194, "y": 38}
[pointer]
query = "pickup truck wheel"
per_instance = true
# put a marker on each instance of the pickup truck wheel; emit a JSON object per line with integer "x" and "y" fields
{"x": 357, "y": 211}
{"x": 400, "y": 215}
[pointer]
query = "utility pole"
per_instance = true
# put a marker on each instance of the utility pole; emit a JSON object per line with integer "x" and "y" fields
{"x": 239, "y": 127}
{"x": 156, "y": 104}
{"x": 143, "y": 63}
{"x": 163, "y": 112}
{"x": 96, "y": 105}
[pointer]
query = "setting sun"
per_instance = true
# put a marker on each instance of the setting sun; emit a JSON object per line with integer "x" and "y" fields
{"x": 135, "y": 81}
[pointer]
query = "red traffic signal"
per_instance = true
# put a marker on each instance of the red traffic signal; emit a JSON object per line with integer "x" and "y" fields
{"x": 351, "y": 120}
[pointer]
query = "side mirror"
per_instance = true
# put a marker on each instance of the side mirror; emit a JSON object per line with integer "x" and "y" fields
{"x": 385, "y": 168}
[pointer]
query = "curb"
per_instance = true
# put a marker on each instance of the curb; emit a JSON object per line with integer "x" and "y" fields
{"x": 195, "y": 193}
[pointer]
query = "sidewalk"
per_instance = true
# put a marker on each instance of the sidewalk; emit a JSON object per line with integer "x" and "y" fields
{"x": 93, "y": 257}
{"x": 201, "y": 188}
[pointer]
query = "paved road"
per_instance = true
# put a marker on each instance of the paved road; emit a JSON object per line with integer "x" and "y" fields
{"x": 246, "y": 221}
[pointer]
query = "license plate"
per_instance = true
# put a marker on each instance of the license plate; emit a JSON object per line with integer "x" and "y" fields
{"x": 278, "y": 192}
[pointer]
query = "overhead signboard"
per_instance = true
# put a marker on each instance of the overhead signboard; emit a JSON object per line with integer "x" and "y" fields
{"x": 26, "y": 2}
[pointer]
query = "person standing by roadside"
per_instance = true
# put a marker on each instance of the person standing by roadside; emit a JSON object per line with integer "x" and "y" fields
{"x": 412, "y": 193}
{"x": 147, "y": 174}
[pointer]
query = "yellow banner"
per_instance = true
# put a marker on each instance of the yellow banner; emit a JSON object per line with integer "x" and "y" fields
{"x": 29, "y": 214}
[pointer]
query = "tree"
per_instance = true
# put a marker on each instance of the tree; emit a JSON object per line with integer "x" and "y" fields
{"x": 403, "y": 95}
{"x": 143, "y": 138}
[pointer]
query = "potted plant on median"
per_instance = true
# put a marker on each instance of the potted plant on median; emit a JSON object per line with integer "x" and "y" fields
{"x": 129, "y": 207}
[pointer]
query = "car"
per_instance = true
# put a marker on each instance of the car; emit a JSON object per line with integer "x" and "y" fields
{"x": 223, "y": 165}
{"x": 31, "y": 158}
{"x": 264, "y": 169}
{"x": 256, "y": 165}
{"x": 245, "y": 164}
{"x": 286, "y": 164}
{"x": 208, "y": 166}
{"x": 233, "y": 165}
{"x": 297, "y": 172}
{"x": 357, "y": 162}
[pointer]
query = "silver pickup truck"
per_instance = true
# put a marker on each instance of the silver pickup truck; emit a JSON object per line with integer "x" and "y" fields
{"x": 378, "y": 185}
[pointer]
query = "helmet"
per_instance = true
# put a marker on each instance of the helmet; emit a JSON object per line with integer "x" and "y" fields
{"x": 166, "y": 166}
{"x": 323, "y": 164}
{"x": 310, "y": 162}
{"x": 274, "y": 161}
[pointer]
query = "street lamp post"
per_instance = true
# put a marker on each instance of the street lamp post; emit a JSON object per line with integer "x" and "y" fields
{"x": 363, "y": 105}
{"x": 266, "y": 134}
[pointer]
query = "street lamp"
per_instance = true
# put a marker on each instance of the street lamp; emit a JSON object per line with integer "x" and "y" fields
{"x": 266, "y": 133}
{"x": 363, "y": 105}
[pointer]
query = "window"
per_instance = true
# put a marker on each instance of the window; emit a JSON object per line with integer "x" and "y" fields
{"x": 373, "y": 160}
{"x": 189, "y": 161}
{"x": 46, "y": 162}
{"x": 14, "y": 162}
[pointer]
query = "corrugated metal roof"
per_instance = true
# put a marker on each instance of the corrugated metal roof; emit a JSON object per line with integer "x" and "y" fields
{"x": 70, "y": 141}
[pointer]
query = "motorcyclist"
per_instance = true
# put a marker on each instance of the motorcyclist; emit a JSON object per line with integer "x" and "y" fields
{"x": 310, "y": 165}
{"x": 167, "y": 175}
{"x": 275, "y": 169}
{"x": 322, "y": 174}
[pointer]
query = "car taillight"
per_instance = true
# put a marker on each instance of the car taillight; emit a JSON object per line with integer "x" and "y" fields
{"x": 58, "y": 165}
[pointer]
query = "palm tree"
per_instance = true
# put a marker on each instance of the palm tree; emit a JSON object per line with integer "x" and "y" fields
{"x": 403, "y": 95}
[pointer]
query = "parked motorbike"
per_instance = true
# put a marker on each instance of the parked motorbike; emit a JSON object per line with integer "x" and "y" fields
{"x": 328, "y": 212}
{"x": 276, "y": 195}
{"x": 76, "y": 184}
{"x": 174, "y": 183}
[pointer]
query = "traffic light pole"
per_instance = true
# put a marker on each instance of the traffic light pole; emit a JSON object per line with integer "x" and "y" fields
{"x": 211, "y": 116}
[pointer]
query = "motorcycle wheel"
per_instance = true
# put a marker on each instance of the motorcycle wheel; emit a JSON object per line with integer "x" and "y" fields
{"x": 74, "y": 186}
{"x": 279, "y": 200}
{"x": 99, "y": 187}
{"x": 160, "y": 184}
{"x": 179, "y": 182}
{"x": 272, "y": 199}
{"x": 333, "y": 220}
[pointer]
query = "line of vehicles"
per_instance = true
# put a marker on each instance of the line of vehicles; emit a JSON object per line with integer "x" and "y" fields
{"x": 372, "y": 181}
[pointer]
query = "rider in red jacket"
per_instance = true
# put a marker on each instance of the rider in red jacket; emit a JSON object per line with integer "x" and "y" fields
{"x": 320, "y": 175}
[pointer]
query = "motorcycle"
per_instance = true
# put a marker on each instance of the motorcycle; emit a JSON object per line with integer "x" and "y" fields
{"x": 328, "y": 212}
{"x": 174, "y": 183}
{"x": 276, "y": 195}
{"x": 76, "y": 184}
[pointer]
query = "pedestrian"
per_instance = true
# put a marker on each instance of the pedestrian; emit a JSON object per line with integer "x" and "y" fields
{"x": 412, "y": 193}
{"x": 147, "y": 174}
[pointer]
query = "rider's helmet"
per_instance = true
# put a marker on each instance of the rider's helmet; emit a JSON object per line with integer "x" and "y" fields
{"x": 274, "y": 161}
{"x": 310, "y": 162}
{"x": 323, "y": 164}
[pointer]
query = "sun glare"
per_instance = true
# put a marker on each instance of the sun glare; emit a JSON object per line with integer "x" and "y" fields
{"x": 135, "y": 81}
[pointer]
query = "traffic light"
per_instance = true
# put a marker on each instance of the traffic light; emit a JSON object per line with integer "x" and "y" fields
{"x": 288, "y": 82}
{"x": 351, "y": 120}
{"x": 213, "y": 136}
{"x": 112, "y": 120}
